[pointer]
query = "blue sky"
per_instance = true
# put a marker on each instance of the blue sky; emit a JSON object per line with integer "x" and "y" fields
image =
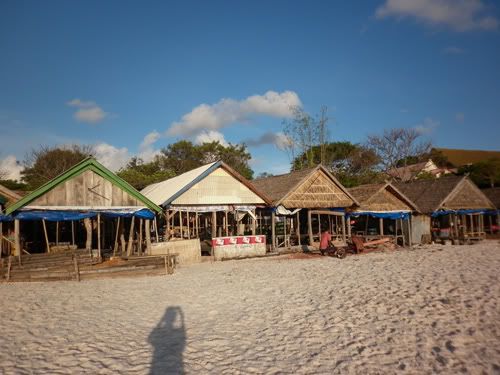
{"x": 132, "y": 77}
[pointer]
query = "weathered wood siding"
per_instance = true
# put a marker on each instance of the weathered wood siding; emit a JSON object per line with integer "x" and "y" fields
{"x": 219, "y": 187}
{"x": 385, "y": 201}
{"x": 318, "y": 191}
{"x": 467, "y": 196}
{"x": 86, "y": 190}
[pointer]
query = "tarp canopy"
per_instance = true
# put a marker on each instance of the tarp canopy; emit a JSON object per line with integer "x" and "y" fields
{"x": 393, "y": 215}
{"x": 54, "y": 215}
{"x": 458, "y": 212}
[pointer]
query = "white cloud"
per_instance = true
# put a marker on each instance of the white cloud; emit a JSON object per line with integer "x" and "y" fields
{"x": 460, "y": 117}
{"x": 463, "y": 15}
{"x": 279, "y": 139}
{"x": 229, "y": 111}
{"x": 147, "y": 152}
{"x": 88, "y": 111}
{"x": 10, "y": 168}
{"x": 110, "y": 156}
{"x": 427, "y": 127}
{"x": 451, "y": 50}
{"x": 208, "y": 136}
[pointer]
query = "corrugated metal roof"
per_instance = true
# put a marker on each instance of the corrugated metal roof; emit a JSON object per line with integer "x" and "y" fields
{"x": 164, "y": 191}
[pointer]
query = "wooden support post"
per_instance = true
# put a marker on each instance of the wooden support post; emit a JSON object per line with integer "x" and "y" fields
{"x": 167, "y": 229}
{"x": 254, "y": 223}
{"x": 88, "y": 228}
{"x": 156, "y": 230}
{"x": 46, "y": 235}
{"x": 139, "y": 245}
{"x": 273, "y": 230}
{"x": 381, "y": 226}
{"x": 99, "y": 235}
{"x": 115, "y": 247}
{"x": 343, "y": 229}
{"x": 130, "y": 237}
{"x": 284, "y": 231}
{"x": 214, "y": 224}
{"x": 72, "y": 232}
{"x": 17, "y": 238}
{"x": 123, "y": 244}
{"x": 1, "y": 239}
{"x": 319, "y": 226}
{"x": 197, "y": 218}
{"x": 309, "y": 226}
{"x": 348, "y": 221}
{"x": 148, "y": 236}
{"x": 298, "y": 228}
{"x": 181, "y": 225}
{"x": 490, "y": 221}
{"x": 226, "y": 223}
{"x": 188, "y": 215}
{"x": 57, "y": 233}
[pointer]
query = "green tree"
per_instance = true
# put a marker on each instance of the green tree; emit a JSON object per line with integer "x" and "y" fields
{"x": 484, "y": 174}
{"x": 13, "y": 185}
{"x": 140, "y": 174}
{"x": 43, "y": 164}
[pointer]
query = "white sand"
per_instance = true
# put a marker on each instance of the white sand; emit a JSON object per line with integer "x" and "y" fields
{"x": 427, "y": 310}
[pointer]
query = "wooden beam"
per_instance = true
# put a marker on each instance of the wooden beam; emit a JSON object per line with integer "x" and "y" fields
{"x": 88, "y": 228}
{"x": 123, "y": 245}
{"x": 99, "y": 235}
{"x": 343, "y": 229}
{"x": 273, "y": 230}
{"x": 381, "y": 226}
{"x": 1, "y": 238}
{"x": 214, "y": 224}
{"x": 115, "y": 247}
{"x": 254, "y": 223}
{"x": 57, "y": 233}
{"x": 72, "y": 232}
{"x": 139, "y": 245}
{"x": 188, "y": 215}
{"x": 309, "y": 226}
{"x": 156, "y": 230}
{"x": 17, "y": 238}
{"x": 180, "y": 220}
{"x": 46, "y": 235}
{"x": 130, "y": 237}
{"x": 226, "y": 224}
{"x": 167, "y": 229}
{"x": 298, "y": 228}
{"x": 148, "y": 236}
{"x": 196, "y": 221}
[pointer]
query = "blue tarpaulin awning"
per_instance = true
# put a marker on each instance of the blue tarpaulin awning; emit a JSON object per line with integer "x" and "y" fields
{"x": 405, "y": 215}
{"x": 64, "y": 215}
{"x": 458, "y": 212}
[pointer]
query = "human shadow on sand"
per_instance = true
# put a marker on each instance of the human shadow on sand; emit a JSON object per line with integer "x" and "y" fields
{"x": 168, "y": 340}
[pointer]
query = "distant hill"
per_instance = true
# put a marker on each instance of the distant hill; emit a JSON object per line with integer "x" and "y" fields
{"x": 459, "y": 157}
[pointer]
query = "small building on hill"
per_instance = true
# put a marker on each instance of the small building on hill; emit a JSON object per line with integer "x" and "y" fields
{"x": 383, "y": 211}
{"x": 208, "y": 202}
{"x": 453, "y": 208}
{"x": 303, "y": 204}
{"x": 88, "y": 207}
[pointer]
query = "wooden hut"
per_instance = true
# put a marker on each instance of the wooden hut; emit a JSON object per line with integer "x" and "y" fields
{"x": 207, "y": 202}
{"x": 383, "y": 211}
{"x": 87, "y": 206}
{"x": 302, "y": 203}
{"x": 492, "y": 219}
{"x": 453, "y": 208}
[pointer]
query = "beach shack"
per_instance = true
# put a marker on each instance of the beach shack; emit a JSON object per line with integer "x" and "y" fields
{"x": 303, "y": 203}
{"x": 452, "y": 207}
{"x": 492, "y": 219}
{"x": 384, "y": 211}
{"x": 212, "y": 203}
{"x": 86, "y": 207}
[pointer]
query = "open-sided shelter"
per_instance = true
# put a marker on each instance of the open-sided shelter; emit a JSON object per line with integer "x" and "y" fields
{"x": 87, "y": 206}
{"x": 207, "y": 202}
{"x": 453, "y": 208}
{"x": 304, "y": 203}
{"x": 383, "y": 211}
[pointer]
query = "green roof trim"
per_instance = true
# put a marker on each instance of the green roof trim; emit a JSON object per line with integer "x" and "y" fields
{"x": 88, "y": 164}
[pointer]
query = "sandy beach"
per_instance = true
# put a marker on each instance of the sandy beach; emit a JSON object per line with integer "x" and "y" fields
{"x": 426, "y": 310}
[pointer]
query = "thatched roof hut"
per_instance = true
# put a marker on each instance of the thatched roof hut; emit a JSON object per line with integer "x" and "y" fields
{"x": 307, "y": 188}
{"x": 381, "y": 198}
{"x": 493, "y": 195}
{"x": 445, "y": 193}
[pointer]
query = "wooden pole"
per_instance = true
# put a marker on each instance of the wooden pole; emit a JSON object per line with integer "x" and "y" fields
{"x": 57, "y": 233}
{"x": 188, "y": 215}
{"x": 72, "y": 232}
{"x": 139, "y": 246}
{"x": 88, "y": 227}
{"x": 298, "y": 228}
{"x": 197, "y": 218}
{"x": 226, "y": 224}
{"x": 182, "y": 229}
{"x": 214, "y": 224}
{"x": 148, "y": 236}
{"x": 1, "y": 238}
{"x": 167, "y": 229}
{"x": 254, "y": 223}
{"x": 343, "y": 229}
{"x": 381, "y": 226}
{"x": 17, "y": 238}
{"x": 123, "y": 245}
{"x": 156, "y": 230}
{"x": 46, "y": 236}
{"x": 490, "y": 221}
{"x": 130, "y": 237}
{"x": 348, "y": 220}
{"x": 99, "y": 235}
{"x": 115, "y": 247}
{"x": 310, "y": 228}
{"x": 273, "y": 229}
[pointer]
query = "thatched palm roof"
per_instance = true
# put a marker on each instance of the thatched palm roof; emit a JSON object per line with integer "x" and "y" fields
{"x": 449, "y": 192}
{"x": 382, "y": 197}
{"x": 493, "y": 195}
{"x": 306, "y": 188}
